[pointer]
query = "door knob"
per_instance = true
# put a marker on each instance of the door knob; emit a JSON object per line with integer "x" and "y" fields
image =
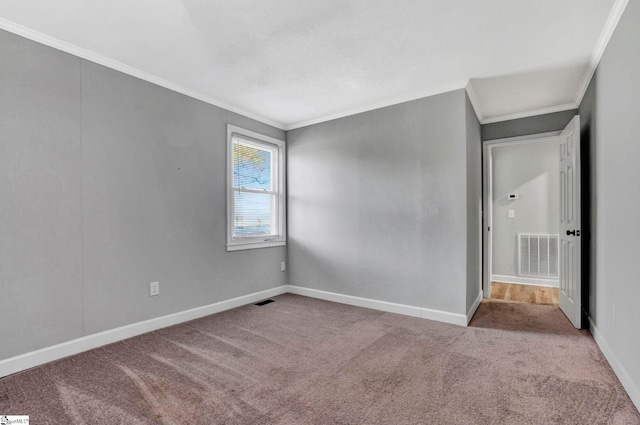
{"x": 571, "y": 232}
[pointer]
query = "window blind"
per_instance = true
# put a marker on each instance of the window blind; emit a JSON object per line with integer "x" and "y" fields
{"x": 254, "y": 186}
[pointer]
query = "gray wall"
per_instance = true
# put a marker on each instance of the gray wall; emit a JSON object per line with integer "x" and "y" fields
{"x": 532, "y": 171}
{"x": 108, "y": 183}
{"x": 378, "y": 204}
{"x": 474, "y": 204}
{"x": 611, "y": 128}
{"x": 556, "y": 121}
{"x": 589, "y": 195}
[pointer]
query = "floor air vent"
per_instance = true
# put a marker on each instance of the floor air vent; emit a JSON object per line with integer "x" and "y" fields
{"x": 261, "y": 303}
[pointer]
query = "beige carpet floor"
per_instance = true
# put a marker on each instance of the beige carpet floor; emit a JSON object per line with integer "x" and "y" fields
{"x": 304, "y": 361}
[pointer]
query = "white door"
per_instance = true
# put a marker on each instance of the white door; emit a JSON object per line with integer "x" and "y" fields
{"x": 570, "y": 222}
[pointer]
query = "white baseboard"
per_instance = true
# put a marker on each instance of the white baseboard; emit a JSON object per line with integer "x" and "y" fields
{"x": 55, "y": 352}
{"x": 65, "y": 349}
{"x": 407, "y": 310}
{"x": 59, "y": 351}
{"x": 474, "y": 307}
{"x": 626, "y": 381}
{"x": 552, "y": 283}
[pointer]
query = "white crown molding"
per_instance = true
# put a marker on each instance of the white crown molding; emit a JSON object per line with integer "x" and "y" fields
{"x": 603, "y": 41}
{"x": 530, "y": 113}
{"x": 605, "y": 36}
{"x": 55, "y": 352}
{"x": 383, "y": 104}
{"x": 473, "y": 98}
{"x": 610, "y": 26}
{"x": 126, "y": 69}
{"x": 63, "y": 46}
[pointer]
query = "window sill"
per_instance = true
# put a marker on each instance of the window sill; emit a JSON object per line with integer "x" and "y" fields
{"x": 254, "y": 245}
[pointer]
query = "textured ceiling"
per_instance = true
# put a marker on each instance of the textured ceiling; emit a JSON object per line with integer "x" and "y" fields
{"x": 294, "y": 62}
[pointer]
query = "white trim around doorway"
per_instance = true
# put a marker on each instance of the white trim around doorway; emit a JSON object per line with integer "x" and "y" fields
{"x": 487, "y": 195}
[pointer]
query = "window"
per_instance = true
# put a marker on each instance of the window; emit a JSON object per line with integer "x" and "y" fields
{"x": 256, "y": 190}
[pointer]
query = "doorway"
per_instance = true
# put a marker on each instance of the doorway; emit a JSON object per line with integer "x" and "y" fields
{"x": 531, "y": 204}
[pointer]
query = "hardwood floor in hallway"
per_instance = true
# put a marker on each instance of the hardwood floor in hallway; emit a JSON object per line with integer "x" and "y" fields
{"x": 524, "y": 293}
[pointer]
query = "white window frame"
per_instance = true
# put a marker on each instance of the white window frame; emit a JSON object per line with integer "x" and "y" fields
{"x": 253, "y": 242}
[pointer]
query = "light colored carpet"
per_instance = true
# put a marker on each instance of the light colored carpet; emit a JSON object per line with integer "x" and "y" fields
{"x": 304, "y": 361}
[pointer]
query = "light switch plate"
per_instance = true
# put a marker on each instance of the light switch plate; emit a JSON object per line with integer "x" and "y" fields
{"x": 511, "y": 213}
{"x": 154, "y": 288}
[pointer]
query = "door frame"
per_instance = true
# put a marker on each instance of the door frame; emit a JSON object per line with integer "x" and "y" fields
{"x": 487, "y": 195}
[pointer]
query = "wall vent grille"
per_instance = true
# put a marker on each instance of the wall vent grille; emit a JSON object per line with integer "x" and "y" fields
{"x": 538, "y": 255}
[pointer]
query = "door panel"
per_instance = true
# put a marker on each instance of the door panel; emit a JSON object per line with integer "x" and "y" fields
{"x": 570, "y": 222}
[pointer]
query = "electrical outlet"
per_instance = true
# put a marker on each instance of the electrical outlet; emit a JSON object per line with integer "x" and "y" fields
{"x": 283, "y": 266}
{"x": 154, "y": 288}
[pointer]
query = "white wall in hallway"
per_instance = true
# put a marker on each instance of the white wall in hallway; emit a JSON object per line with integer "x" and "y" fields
{"x": 531, "y": 171}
